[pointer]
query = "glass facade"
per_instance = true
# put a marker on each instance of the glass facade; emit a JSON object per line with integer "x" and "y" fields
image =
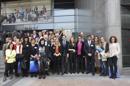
{"x": 125, "y": 12}
{"x": 40, "y": 14}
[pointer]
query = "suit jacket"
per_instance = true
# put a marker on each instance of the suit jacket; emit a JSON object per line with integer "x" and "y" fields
{"x": 26, "y": 50}
{"x": 89, "y": 48}
{"x": 64, "y": 49}
{"x": 47, "y": 48}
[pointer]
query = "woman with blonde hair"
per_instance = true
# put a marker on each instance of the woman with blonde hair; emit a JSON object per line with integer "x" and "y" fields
{"x": 57, "y": 55}
{"x": 104, "y": 56}
{"x": 97, "y": 54}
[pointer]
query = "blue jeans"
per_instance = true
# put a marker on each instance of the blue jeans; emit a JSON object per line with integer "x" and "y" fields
{"x": 103, "y": 67}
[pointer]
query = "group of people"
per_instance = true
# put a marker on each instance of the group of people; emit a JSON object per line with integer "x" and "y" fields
{"x": 25, "y": 15}
{"x": 44, "y": 52}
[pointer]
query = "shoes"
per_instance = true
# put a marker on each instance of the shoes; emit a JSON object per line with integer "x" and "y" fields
{"x": 16, "y": 75}
{"x": 4, "y": 79}
{"x": 87, "y": 72}
{"x": 44, "y": 77}
{"x": 35, "y": 75}
{"x": 93, "y": 74}
{"x": 40, "y": 77}
{"x": 11, "y": 77}
{"x": 32, "y": 75}
{"x": 114, "y": 77}
{"x": 111, "y": 77}
{"x": 62, "y": 73}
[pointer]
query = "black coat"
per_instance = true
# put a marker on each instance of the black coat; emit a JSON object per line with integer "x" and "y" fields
{"x": 72, "y": 46}
{"x": 48, "y": 49}
{"x": 89, "y": 48}
{"x": 64, "y": 49}
{"x": 27, "y": 50}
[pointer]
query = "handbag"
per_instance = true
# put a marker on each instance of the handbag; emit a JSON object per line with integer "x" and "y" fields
{"x": 34, "y": 67}
{"x": 23, "y": 65}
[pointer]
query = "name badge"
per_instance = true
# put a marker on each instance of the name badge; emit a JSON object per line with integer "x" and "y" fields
{"x": 27, "y": 45}
{"x": 92, "y": 45}
{"x": 45, "y": 43}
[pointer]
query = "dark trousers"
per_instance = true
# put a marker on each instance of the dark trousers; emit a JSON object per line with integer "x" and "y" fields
{"x": 52, "y": 63}
{"x": 104, "y": 68}
{"x": 72, "y": 63}
{"x": 58, "y": 64}
{"x": 90, "y": 66}
{"x": 8, "y": 69}
{"x": 18, "y": 59}
{"x": 113, "y": 66}
{"x": 27, "y": 66}
{"x": 80, "y": 64}
{"x": 64, "y": 64}
{"x": 42, "y": 68}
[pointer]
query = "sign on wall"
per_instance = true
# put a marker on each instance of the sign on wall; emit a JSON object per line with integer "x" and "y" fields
{"x": 27, "y": 11}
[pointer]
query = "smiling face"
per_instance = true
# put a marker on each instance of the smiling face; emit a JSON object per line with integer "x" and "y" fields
{"x": 96, "y": 39}
{"x": 9, "y": 40}
{"x": 33, "y": 41}
{"x": 57, "y": 42}
{"x": 11, "y": 46}
{"x": 42, "y": 42}
{"x": 89, "y": 37}
{"x": 113, "y": 40}
{"x": 72, "y": 39}
{"x": 26, "y": 39}
{"x": 79, "y": 38}
{"x": 102, "y": 39}
{"x": 18, "y": 41}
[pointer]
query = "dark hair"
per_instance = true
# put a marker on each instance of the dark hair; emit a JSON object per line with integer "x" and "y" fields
{"x": 40, "y": 42}
{"x": 8, "y": 47}
{"x": 24, "y": 39}
{"x": 110, "y": 40}
{"x": 98, "y": 39}
{"x": 88, "y": 35}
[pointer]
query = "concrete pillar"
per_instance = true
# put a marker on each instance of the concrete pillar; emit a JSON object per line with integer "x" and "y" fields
{"x": 113, "y": 23}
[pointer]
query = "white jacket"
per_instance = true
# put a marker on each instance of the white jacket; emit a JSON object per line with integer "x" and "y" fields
{"x": 114, "y": 49}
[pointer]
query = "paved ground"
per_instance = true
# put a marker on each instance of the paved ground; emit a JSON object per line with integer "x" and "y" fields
{"x": 68, "y": 80}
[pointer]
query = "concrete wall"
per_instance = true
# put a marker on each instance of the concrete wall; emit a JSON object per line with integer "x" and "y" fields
{"x": 101, "y": 17}
{"x": 113, "y": 23}
{"x": 91, "y": 16}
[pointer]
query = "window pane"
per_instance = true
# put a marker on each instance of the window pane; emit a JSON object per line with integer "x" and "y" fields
{"x": 59, "y": 12}
{"x": 64, "y": 26}
{"x": 64, "y": 19}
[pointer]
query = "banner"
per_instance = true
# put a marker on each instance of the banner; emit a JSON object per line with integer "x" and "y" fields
{"x": 27, "y": 11}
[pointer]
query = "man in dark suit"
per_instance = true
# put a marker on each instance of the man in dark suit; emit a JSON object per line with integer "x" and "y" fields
{"x": 48, "y": 53}
{"x": 64, "y": 51}
{"x": 89, "y": 48}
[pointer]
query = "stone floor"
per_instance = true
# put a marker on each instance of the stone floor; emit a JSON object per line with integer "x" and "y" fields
{"x": 68, "y": 80}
